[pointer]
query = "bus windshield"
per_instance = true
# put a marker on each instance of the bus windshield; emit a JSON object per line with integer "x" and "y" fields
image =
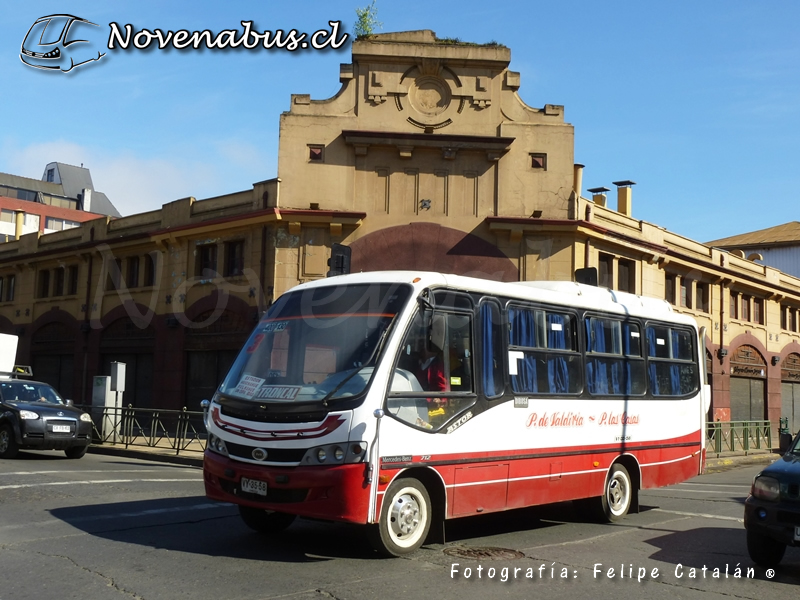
{"x": 318, "y": 344}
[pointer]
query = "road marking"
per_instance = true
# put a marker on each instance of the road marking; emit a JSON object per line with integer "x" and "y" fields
{"x": 703, "y": 515}
{"x": 744, "y": 485}
{"x": 675, "y": 490}
{"x": 86, "y": 471}
{"x": 49, "y": 483}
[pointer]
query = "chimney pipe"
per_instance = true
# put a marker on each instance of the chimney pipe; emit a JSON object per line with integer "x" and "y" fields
{"x": 624, "y": 196}
{"x": 19, "y": 220}
{"x": 577, "y": 178}
{"x": 599, "y": 195}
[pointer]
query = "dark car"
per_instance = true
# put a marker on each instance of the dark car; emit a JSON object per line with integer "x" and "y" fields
{"x": 34, "y": 417}
{"x": 772, "y": 511}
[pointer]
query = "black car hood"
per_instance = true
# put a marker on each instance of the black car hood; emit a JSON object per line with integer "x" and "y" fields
{"x": 47, "y": 409}
{"x": 788, "y": 466}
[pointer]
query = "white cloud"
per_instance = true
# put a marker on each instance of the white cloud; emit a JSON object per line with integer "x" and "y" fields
{"x": 137, "y": 184}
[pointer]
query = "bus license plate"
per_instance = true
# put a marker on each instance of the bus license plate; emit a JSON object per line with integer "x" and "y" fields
{"x": 253, "y": 486}
{"x": 61, "y": 429}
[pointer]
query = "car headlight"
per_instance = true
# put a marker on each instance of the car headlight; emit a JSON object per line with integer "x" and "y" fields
{"x": 86, "y": 418}
{"x": 766, "y": 488}
{"x": 28, "y": 414}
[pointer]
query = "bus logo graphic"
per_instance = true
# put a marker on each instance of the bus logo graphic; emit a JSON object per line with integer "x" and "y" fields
{"x": 56, "y": 43}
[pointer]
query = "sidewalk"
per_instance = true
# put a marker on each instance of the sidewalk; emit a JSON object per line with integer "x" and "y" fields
{"x": 167, "y": 455}
{"x": 714, "y": 464}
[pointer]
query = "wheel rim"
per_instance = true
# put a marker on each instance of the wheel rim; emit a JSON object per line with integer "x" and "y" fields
{"x": 3, "y": 441}
{"x": 407, "y": 517}
{"x": 618, "y": 493}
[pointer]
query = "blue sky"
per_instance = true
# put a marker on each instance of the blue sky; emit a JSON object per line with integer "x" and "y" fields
{"x": 697, "y": 102}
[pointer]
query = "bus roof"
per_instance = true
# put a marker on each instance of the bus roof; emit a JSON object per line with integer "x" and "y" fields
{"x": 566, "y": 293}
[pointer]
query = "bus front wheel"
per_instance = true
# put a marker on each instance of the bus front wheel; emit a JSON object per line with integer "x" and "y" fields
{"x": 405, "y": 518}
{"x": 265, "y": 521}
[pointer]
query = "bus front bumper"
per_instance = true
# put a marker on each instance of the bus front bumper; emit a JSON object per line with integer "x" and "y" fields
{"x": 335, "y": 493}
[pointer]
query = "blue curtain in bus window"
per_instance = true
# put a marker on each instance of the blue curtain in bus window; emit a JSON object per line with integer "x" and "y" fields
{"x": 557, "y": 371}
{"x": 596, "y": 373}
{"x": 487, "y": 362}
{"x": 675, "y": 370}
{"x": 651, "y": 368}
{"x": 523, "y": 333}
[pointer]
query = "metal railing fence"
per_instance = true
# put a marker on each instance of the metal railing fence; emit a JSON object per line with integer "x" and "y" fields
{"x": 179, "y": 430}
{"x": 740, "y": 437}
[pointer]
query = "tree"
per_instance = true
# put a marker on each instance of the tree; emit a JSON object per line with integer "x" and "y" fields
{"x": 367, "y": 21}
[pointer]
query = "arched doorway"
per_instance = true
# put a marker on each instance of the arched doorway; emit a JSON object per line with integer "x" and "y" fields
{"x": 790, "y": 391}
{"x": 53, "y": 356}
{"x": 211, "y": 350}
{"x": 431, "y": 247}
{"x": 748, "y": 385}
{"x": 124, "y": 341}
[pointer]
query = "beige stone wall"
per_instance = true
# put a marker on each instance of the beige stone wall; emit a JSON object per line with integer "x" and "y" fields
{"x": 427, "y": 131}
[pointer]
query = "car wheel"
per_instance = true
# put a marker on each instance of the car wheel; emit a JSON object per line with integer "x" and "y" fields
{"x": 76, "y": 451}
{"x": 405, "y": 518}
{"x": 764, "y": 551}
{"x": 8, "y": 445}
{"x": 265, "y": 521}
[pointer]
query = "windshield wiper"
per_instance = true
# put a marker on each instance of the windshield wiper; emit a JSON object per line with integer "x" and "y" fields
{"x": 357, "y": 370}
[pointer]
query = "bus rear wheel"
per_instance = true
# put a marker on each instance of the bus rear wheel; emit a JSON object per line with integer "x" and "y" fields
{"x": 405, "y": 518}
{"x": 616, "y": 500}
{"x": 265, "y": 521}
{"x": 617, "y": 495}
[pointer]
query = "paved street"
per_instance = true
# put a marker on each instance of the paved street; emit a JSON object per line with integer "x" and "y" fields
{"x": 107, "y": 526}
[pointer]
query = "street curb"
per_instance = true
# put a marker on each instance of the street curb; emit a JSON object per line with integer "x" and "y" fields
{"x": 145, "y": 455}
{"x": 725, "y": 463}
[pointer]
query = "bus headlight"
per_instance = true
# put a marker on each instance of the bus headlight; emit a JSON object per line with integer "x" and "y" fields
{"x": 336, "y": 454}
{"x": 216, "y": 444}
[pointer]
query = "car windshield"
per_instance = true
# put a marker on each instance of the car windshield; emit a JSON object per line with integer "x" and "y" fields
{"x": 27, "y": 391}
{"x": 318, "y": 344}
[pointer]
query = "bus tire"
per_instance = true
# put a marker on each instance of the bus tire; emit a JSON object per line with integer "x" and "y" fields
{"x": 764, "y": 551}
{"x": 8, "y": 445}
{"x": 265, "y": 521}
{"x": 617, "y": 494}
{"x": 405, "y": 518}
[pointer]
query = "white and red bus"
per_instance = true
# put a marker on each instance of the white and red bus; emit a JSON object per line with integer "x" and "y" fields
{"x": 399, "y": 399}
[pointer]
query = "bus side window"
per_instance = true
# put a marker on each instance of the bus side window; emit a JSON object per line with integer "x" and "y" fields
{"x": 433, "y": 369}
{"x": 671, "y": 365}
{"x": 491, "y": 360}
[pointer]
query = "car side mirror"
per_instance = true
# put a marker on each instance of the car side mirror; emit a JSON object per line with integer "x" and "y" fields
{"x": 69, "y": 402}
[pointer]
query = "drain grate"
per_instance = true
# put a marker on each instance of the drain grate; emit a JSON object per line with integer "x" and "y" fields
{"x": 486, "y": 553}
